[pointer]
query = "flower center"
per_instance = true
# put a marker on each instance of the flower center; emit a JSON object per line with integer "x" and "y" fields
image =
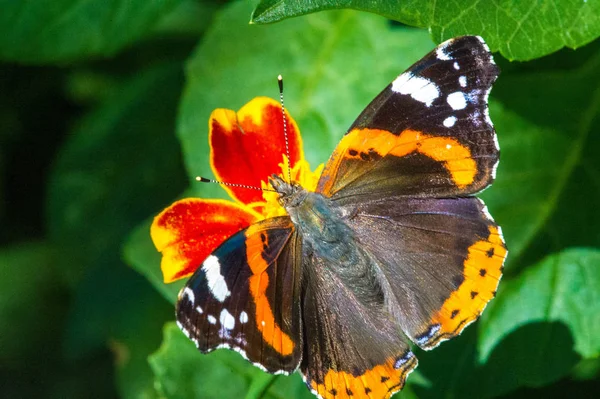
{"x": 301, "y": 174}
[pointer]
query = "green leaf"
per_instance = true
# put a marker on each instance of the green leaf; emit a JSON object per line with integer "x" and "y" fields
{"x": 136, "y": 334}
{"x": 548, "y": 158}
{"x": 561, "y": 288}
{"x": 413, "y": 12}
{"x": 141, "y": 254}
{"x": 67, "y": 30}
{"x": 119, "y": 165}
{"x": 519, "y": 30}
{"x": 183, "y": 372}
{"x": 339, "y": 55}
{"x": 31, "y": 301}
{"x": 532, "y": 355}
{"x": 521, "y": 196}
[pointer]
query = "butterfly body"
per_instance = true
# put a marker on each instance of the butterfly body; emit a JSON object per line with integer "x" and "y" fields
{"x": 392, "y": 246}
{"x": 320, "y": 225}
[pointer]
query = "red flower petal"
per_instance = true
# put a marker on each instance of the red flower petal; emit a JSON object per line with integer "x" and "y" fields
{"x": 191, "y": 229}
{"x": 248, "y": 146}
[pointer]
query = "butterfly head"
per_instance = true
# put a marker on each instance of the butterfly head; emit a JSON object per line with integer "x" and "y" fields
{"x": 290, "y": 194}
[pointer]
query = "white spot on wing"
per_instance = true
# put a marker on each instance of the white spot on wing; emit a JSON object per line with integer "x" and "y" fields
{"x": 486, "y": 113}
{"x": 243, "y": 317}
{"x": 483, "y": 43}
{"x": 428, "y": 335}
{"x": 226, "y": 319}
{"x": 449, "y": 121}
{"x": 441, "y": 52}
{"x": 419, "y": 88}
{"x": 485, "y": 210}
{"x": 183, "y": 329}
{"x": 502, "y": 238}
{"x": 242, "y": 352}
{"x": 496, "y": 142}
{"x": 494, "y": 170}
{"x": 456, "y": 66}
{"x": 457, "y": 100}
{"x": 216, "y": 282}
{"x": 211, "y": 319}
{"x": 402, "y": 360}
{"x": 187, "y": 292}
{"x": 462, "y": 80}
{"x": 199, "y": 309}
{"x": 486, "y": 95}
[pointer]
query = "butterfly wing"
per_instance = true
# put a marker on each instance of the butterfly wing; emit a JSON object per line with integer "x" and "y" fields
{"x": 427, "y": 134}
{"x": 439, "y": 261}
{"x": 353, "y": 348}
{"x": 246, "y": 297}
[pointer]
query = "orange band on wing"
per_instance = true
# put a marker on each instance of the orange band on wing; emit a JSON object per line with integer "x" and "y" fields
{"x": 369, "y": 144}
{"x": 482, "y": 272}
{"x": 380, "y": 382}
{"x": 265, "y": 320}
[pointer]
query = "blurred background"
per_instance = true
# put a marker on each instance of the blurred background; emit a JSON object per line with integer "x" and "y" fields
{"x": 104, "y": 109}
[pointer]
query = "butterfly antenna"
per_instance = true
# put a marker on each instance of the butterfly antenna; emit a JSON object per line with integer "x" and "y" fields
{"x": 285, "y": 135}
{"x": 206, "y": 180}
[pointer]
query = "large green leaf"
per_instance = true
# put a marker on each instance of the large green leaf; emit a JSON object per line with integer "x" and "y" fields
{"x": 136, "y": 333}
{"x": 519, "y": 197}
{"x": 561, "y": 288}
{"x": 532, "y": 355}
{"x": 532, "y": 334}
{"x": 520, "y": 30}
{"x": 33, "y": 307}
{"x": 65, "y": 30}
{"x": 549, "y": 165}
{"x": 182, "y": 372}
{"x": 141, "y": 254}
{"x": 121, "y": 162}
{"x": 30, "y": 303}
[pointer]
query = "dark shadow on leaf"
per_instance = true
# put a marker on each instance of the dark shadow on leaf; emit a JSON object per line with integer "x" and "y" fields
{"x": 534, "y": 355}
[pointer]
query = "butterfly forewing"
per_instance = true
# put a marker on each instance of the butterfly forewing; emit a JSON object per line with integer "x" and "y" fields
{"x": 245, "y": 296}
{"x": 428, "y": 134}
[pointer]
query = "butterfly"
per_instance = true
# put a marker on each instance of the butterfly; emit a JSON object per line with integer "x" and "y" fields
{"x": 391, "y": 248}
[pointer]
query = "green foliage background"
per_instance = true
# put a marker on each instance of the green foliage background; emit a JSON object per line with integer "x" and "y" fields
{"x": 103, "y": 122}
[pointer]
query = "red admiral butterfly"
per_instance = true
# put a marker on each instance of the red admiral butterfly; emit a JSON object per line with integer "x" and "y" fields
{"x": 391, "y": 245}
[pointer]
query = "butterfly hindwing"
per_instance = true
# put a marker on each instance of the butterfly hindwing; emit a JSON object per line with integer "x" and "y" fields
{"x": 245, "y": 296}
{"x": 440, "y": 260}
{"x": 353, "y": 348}
{"x": 427, "y": 134}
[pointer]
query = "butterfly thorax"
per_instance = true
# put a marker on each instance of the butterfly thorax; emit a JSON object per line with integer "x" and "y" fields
{"x": 322, "y": 225}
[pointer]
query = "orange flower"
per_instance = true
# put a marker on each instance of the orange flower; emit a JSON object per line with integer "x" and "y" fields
{"x": 246, "y": 148}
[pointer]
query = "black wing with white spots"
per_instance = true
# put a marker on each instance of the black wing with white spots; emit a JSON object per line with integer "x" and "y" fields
{"x": 245, "y": 297}
{"x": 427, "y": 134}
